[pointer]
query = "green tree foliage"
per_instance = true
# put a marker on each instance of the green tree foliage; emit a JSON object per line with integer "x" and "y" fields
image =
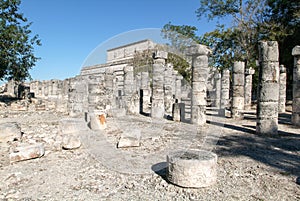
{"x": 16, "y": 43}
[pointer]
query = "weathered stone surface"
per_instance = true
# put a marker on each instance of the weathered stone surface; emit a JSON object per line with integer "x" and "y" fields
{"x": 225, "y": 86}
{"x": 176, "y": 112}
{"x": 9, "y": 132}
{"x": 282, "y": 89}
{"x": 248, "y": 88}
{"x": 200, "y": 70}
{"x": 128, "y": 141}
{"x": 97, "y": 121}
{"x": 160, "y": 55}
{"x": 238, "y": 81}
{"x": 70, "y": 142}
{"x": 196, "y": 50}
{"x": 22, "y": 153}
{"x": 268, "y": 89}
{"x": 192, "y": 168}
{"x": 296, "y": 86}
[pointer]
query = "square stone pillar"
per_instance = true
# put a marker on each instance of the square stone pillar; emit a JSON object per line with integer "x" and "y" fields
{"x": 158, "y": 106}
{"x": 296, "y": 86}
{"x": 200, "y": 71}
{"x": 248, "y": 88}
{"x": 238, "y": 82}
{"x": 282, "y": 89}
{"x": 268, "y": 89}
{"x": 225, "y": 87}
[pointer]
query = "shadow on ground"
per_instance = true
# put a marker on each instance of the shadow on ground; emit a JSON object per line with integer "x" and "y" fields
{"x": 279, "y": 152}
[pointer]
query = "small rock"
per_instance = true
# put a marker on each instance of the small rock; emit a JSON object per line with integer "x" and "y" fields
{"x": 70, "y": 142}
{"x": 10, "y": 132}
{"x": 27, "y": 152}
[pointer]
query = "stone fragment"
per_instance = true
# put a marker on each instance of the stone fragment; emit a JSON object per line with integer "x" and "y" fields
{"x": 9, "y": 132}
{"x": 192, "y": 168}
{"x": 97, "y": 121}
{"x": 70, "y": 142}
{"x": 22, "y": 153}
{"x": 131, "y": 137}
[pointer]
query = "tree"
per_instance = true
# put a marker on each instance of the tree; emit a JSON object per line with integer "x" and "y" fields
{"x": 16, "y": 43}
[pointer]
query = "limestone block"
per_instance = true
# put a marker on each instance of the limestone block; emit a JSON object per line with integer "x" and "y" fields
{"x": 239, "y": 67}
{"x": 193, "y": 168}
{"x": 97, "y": 121}
{"x": 22, "y": 153}
{"x": 70, "y": 142}
{"x": 267, "y": 126}
{"x": 176, "y": 112}
{"x": 130, "y": 138}
{"x": 199, "y": 98}
{"x": 198, "y": 49}
{"x": 238, "y": 79}
{"x": 267, "y": 110}
{"x": 270, "y": 72}
{"x": 296, "y": 119}
{"x": 296, "y": 105}
{"x": 268, "y": 93}
{"x": 198, "y": 115}
{"x": 268, "y": 51}
{"x": 160, "y": 55}
{"x": 238, "y": 91}
{"x": 238, "y": 103}
{"x": 9, "y": 132}
{"x": 296, "y": 51}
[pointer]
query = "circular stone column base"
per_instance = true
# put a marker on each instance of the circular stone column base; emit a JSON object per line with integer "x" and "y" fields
{"x": 192, "y": 168}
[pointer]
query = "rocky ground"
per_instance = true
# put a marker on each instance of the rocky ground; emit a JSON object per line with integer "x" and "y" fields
{"x": 250, "y": 167}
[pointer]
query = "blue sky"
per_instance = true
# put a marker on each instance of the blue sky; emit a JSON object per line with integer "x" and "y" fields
{"x": 71, "y": 29}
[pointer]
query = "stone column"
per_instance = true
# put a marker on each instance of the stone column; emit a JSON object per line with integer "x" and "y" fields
{"x": 158, "y": 109}
{"x": 178, "y": 88}
{"x": 238, "y": 80}
{"x": 131, "y": 95}
{"x": 225, "y": 87}
{"x": 282, "y": 89}
{"x": 218, "y": 90}
{"x": 296, "y": 86}
{"x": 145, "y": 87}
{"x": 200, "y": 71}
{"x": 248, "y": 87}
{"x": 168, "y": 88}
{"x": 268, "y": 89}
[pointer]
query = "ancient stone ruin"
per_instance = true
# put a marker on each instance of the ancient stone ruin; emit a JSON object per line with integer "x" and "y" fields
{"x": 123, "y": 87}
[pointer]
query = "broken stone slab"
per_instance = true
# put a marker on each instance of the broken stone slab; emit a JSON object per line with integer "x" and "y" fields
{"x": 9, "y": 132}
{"x": 131, "y": 138}
{"x": 192, "y": 168}
{"x": 22, "y": 153}
{"x": 70, "y": 142}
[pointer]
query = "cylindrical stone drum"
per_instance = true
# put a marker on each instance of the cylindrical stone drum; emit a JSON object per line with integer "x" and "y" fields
{"x": 192, "y": 168}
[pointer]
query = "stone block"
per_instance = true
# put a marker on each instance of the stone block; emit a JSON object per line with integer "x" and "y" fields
{"x": 238, "y": 79}
{"x": 270, "y": 72}
{"x": 249, "y": 71}
{"x": 267, "y": 110}
{"x": 160, "y": 55}
{"x": 70, "y": 142}
{"x": 199, "y": 98}
{"x": 238, "y": 91}
{"x": 198, "y": 49}
{"x": 267, "y": 126}
{"x": 198, "y": 115}
{"x": 176, "y": 112}
{"x": 22, "y": 153}
{"x": 296, "y": 51}
{"x": 269, "y": 92}
{"x": 97, "y": 121}
{"x": 296, "y": 105}
{"x": 192, "y": 168}
{"x": 238, "y": 67}
{"x": 268, "y": 51}
{"x": 9, "y": 132}
{"x": 129, "y": 141}
{"x": 238, "y": 103}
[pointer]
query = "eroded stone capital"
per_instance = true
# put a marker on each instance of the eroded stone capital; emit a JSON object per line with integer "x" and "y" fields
{"x": 198, "y": 49}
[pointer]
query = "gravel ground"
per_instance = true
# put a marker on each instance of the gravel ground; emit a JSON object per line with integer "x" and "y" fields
{"x": 250, "y": 167}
